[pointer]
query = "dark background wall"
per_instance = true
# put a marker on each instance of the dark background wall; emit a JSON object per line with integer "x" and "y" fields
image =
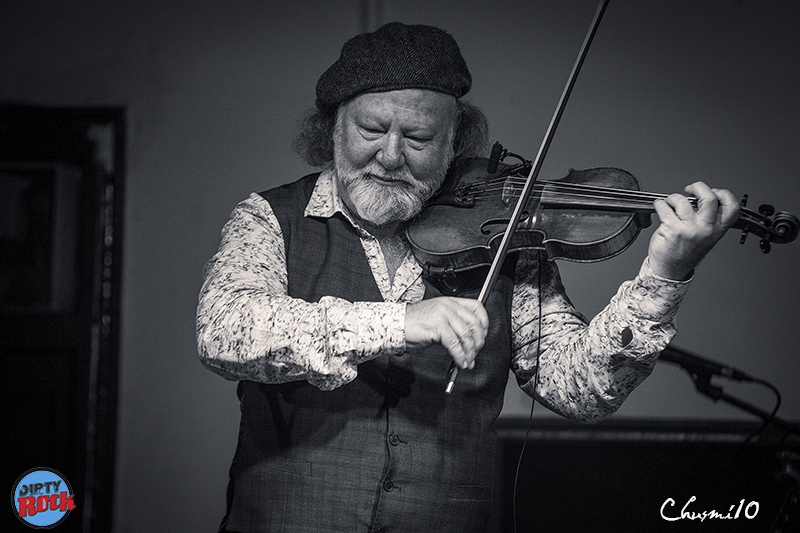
{"x": 672, "y": 91}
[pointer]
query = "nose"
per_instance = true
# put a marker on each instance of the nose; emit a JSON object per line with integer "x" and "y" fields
{"x": 390, "y": 155}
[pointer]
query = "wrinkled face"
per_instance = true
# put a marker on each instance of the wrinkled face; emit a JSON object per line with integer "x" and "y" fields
{"x": 392, "y": 151}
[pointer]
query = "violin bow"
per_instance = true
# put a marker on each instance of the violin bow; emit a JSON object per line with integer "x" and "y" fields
{"x": 527, "y": 190}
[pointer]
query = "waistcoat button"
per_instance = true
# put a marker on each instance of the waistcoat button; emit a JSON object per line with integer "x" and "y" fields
{"x": 394, "y": 440}
{"x": 388, "y": 486}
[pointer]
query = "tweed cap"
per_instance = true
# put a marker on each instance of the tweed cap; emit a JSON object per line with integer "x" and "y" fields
{"x": 396, "y": 56}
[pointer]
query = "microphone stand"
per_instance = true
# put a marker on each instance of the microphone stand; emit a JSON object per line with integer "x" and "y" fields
{"x": 702, "y": 382}
{"x": 788, "y": 472}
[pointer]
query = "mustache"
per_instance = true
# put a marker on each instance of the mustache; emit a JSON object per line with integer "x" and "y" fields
{"x": 402, "y": 176}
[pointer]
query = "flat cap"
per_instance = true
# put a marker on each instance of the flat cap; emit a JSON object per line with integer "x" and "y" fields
{"x": 396, "y": 56}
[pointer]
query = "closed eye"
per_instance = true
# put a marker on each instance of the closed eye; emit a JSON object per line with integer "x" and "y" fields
{"x": 418, "y": 143}
{"x": 371, "y": 134}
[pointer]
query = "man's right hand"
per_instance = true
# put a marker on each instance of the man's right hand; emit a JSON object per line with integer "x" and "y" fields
{"x": 458, "y": 324}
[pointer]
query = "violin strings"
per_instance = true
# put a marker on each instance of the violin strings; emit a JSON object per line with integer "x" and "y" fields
{"x": 554, "y": 191}
{"x": 613, "y": 192}
{"x": 570, "y": 187}
{"x": 553, "y": 196}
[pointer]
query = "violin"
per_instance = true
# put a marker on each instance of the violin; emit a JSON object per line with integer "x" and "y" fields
{"x": 588, "y": 215}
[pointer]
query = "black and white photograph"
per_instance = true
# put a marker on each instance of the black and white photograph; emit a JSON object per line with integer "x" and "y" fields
{"x": 394, "y": 266}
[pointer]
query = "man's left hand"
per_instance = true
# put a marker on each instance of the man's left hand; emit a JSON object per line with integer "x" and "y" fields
{"x": 686, "y": 233}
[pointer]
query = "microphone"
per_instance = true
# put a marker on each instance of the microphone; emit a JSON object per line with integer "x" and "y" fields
{"x": 696, "y": 364}
{"x": 494, "y": 158}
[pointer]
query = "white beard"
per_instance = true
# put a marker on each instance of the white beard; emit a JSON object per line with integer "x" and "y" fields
{"x": 383, "y": 204}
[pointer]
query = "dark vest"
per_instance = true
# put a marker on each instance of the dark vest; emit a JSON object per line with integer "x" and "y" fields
{"x": 389, "y": 451}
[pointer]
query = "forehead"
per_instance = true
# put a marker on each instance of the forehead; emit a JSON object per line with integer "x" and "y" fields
{"x": 406, "y": 108}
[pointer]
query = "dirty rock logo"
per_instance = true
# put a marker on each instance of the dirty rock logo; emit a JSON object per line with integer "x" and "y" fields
{"x": 42, "y": 498}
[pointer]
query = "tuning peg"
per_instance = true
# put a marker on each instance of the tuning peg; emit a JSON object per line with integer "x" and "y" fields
{"x": 765, "y": 246}
{"x": 745, "y": 231}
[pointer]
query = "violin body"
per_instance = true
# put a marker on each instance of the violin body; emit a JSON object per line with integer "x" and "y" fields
{"x": 589, "y": 215}
{"x": 461, "y": 226}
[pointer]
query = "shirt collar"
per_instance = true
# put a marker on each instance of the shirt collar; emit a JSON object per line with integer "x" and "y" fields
{"x": 325, "y": 201}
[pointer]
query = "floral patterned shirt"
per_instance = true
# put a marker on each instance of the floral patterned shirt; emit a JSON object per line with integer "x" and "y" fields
{"x": 249, "y": 328}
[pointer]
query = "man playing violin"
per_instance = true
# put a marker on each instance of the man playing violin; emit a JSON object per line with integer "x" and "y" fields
{"x": 316, "y": 305}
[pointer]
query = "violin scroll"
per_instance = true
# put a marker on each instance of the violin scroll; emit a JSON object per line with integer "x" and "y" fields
{"x": 773, "y": 227}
